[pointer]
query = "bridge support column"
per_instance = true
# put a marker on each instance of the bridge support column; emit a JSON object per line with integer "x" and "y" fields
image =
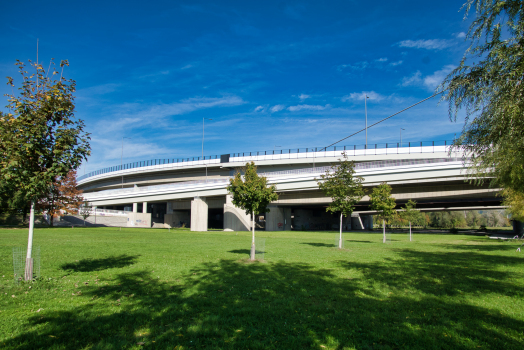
{"x": 135, "y": 207}
{"x": 356, "y": 222}
{"x": 518, "y": 227}
{"x": 199, "y": 210}
{"x": 144, "y": 207}
{"x": 235, "y": 219}
{"x": 278, "y": 219}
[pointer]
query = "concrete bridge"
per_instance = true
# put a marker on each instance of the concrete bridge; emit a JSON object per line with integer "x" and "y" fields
{"x": 193, "y": 192}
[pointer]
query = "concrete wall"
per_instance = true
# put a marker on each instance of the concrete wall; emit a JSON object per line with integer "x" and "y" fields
{"x": 235, "y": 219}
{"x": 278, "y": 219}
{"x": 176, "y": 217}
{"x": 199, "y": 211}
{"x": 139, "y": 220}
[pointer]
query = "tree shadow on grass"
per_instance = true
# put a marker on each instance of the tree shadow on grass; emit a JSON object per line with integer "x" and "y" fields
{"x": 357, "y": 241}
{"x": 89, "y": 265}
{"x": 229, "y": 305}
{"x": 321, "y": 244}
{"x": 443, "y": 273}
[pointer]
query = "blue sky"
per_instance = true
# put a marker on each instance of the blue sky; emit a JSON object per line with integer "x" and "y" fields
{"x": 289, "y": 74}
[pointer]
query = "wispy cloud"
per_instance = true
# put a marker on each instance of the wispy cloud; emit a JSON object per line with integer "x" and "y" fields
{"x": 131, "y": 114}
{"x": 303, "y": 97}
{"x": 359, "y": 96}
{"x": 355, "y": 66}
{"x": 382, "y": 59}
{"x": 259, "y": 109}
{"x": 397, "y": 63}
{"x": 277, "y": 108}
{"x": 431, "y": 81}
{"x": 461, "y": 35}
{"x": 429, "y": 44}
{"x": 307, "y": 108}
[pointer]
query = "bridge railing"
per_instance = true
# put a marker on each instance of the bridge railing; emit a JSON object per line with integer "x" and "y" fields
{"x": 291, "y": 153}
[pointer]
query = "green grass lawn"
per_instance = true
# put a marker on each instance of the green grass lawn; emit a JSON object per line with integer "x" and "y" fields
{"x": 102, "y": 288}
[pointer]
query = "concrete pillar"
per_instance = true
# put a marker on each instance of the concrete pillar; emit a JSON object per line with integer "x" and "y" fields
{"x": 356, "y": 222}
{"x": 169, "y": 208}
{"x": 278, "y": 218}
{"x": 199, "y": 211}
{"x": 235, "y": 219}
{"x": 144, "y": 207}
{"x": 135, "y": 207}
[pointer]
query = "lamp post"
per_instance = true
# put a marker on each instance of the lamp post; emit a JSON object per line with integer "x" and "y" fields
{"x": 366, "y": 112}
{"x": 203, "y": 123}
{"x": 401, "y": 136}
{"x": 122, "y": 159}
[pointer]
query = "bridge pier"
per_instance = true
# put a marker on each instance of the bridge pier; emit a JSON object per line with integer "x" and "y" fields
{"x": 278, "y": 219}
{"x": 235, "y": 219}
{"x": 199, "y": 211}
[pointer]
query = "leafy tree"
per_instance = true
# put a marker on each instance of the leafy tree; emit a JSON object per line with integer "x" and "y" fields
{"x": 63, "y": 196}
{"x": 41, "y": 138}
{"x": 410, "y": 214}
{"x": 383, "y": 203}
{"x": 488, "y": 85}
{"x": 515, "y": 203}
{"x": 344, "y": 188}
{"x": 251, "y": 193}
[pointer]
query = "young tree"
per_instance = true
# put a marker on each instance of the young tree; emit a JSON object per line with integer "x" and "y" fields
{"x": 488, "y": 85}
{"x": 251, "y": 193}
{"x": 84, "y": 211}
{"x": 63, "y": 196}
{"x": 41, "y": 138}
{"x": 383, "y": 203}
{"x": 410, "y": 214}
{"x": 344, "y": 188}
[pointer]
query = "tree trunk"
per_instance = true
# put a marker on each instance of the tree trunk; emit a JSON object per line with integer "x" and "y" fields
{"x": 340, "y": 239}
{"x": 252, "y": 255}
{"x": 384, "y": 230}
{"x": 28, "y": 259}
{"x": 410, "y": 231}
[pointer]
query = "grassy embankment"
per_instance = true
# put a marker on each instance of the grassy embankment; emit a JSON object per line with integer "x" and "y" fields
{"x": 102, "y": 288}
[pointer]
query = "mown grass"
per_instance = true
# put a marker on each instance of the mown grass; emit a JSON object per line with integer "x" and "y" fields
{"x": 102, "y": 288}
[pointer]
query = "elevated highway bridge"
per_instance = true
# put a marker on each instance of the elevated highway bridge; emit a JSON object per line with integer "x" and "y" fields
{"x": 193, "y": 191}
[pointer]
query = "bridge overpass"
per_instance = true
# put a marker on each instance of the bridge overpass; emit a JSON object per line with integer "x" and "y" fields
{"x": 193, "y": 190}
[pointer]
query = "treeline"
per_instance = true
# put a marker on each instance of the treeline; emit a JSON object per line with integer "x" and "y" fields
{"x": 451, "y": 219}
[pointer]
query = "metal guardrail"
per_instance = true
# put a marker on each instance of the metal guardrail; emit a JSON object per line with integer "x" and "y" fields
{"x": 292, "y": 153}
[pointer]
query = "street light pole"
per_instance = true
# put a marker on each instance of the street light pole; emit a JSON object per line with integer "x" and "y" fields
{"x": 401, "y": 136}
{"x": 203, "y": 123}
{"x": 366, "y": 111}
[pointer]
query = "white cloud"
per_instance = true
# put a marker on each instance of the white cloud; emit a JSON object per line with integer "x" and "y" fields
{"x": 415, "y": 79}
{"x": 259, "y": 108}
{"x": 277, "y": 108}
{"x": 359, "y": 96}
{"x": 398, "y": 63}
{"x": 431, "y": 81}
{"x": 430, "y": 44}
{"x": 461, "y": 35}
{"x": 383, "y": 59}
{"x": 303, "y": 97}
{"x": 307, "y": 108}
